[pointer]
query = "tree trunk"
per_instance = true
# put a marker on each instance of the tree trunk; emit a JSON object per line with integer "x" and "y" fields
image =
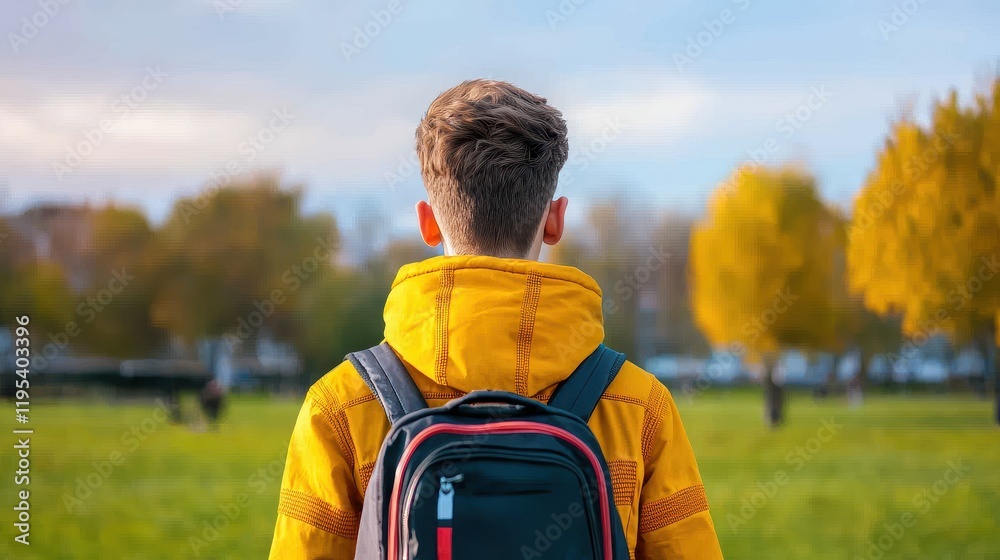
{"x": 987, "y": 344}
{"x": 993, "y": 370}
{"x": 862, "y": 375}
{"x": 831, "y": 376}
{"x": 996, "y": 385}
{"x": 856, "y": 385}
{"x": 774, "y": 397}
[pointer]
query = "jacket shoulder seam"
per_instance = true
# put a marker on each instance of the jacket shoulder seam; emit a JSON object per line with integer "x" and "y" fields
{"x": 326, "y": 401}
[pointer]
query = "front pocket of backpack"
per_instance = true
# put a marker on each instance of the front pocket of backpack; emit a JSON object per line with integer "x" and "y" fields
{"x": 501, "y": 506}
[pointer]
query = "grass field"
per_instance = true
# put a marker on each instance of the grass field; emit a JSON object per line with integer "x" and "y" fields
{"x": 929, "y": 466}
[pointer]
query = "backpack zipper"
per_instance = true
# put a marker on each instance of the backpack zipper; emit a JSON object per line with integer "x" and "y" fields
{"x": 446, "y": 497}
{"x": 445, "y": 513}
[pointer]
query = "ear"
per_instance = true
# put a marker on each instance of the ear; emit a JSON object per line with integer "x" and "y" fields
{"x": 555, "y": 221}
{"x": 427, "y": 223}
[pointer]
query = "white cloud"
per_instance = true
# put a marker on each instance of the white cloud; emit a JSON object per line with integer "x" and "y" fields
{"x": 658, "y": 110}
{"x": 194, "y": 124}
{"x": 346, "y": 133}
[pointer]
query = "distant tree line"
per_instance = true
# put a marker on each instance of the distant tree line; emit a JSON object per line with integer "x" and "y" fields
{"x": 770, "y": 266}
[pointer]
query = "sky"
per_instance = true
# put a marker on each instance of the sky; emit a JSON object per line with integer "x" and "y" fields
{"x": 142, "y": 103}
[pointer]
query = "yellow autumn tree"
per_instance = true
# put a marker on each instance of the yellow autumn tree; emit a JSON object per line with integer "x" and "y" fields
{"x": 762, "y": 262}
{"x": 925, "y": 230}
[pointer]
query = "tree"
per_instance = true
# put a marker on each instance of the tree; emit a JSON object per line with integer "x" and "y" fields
{"x": 675, "y": 324}
{"x": 40, "y": 290}
{"x": 609, "y": 251}
{"x": 235, "y": 260}
{"x": 15, "y": 253}
{"x": 925, "y": 234}
{"x": 643, "y": 275}
{"x": 874, "y": 334}
{"x": 855, "y": 327}
{"x": 342, "y": 310}
{"x": 33, "y": 287}
{"x": 383, "y": 265}
{"x": 124, "y": 265}
{"x": 612, "y": 265}
{"x": 762, "y": 263}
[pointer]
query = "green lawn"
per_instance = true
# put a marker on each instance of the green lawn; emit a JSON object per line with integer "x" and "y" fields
{"x": 931, "y": 461}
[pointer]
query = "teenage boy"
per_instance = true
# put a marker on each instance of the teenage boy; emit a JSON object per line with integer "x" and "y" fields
{"x": 488, "y": 315}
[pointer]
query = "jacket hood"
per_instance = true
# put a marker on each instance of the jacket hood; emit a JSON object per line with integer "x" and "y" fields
{"x": 475, "y": 322}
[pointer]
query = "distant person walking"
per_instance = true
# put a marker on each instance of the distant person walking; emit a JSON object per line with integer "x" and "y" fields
{"x": 212, "y": 400}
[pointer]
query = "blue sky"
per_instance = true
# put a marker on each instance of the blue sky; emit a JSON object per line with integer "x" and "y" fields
{"x": 201, "y": 76}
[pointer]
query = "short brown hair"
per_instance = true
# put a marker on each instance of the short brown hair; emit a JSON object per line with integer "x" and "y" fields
{"x": 490, "y": 155}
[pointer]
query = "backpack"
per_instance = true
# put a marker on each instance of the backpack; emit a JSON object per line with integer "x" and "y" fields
{"x": 491, "y": 474}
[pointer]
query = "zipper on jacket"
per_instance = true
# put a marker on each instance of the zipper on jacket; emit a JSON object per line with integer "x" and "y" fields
{"x": 445, "y": 513}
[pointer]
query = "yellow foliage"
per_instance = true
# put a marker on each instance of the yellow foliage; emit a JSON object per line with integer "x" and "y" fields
{"x": 925, "y": 225}
{"x": 762, "y": 263}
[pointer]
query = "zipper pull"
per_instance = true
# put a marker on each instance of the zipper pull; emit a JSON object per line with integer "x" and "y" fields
{"x": 446, "y": 497}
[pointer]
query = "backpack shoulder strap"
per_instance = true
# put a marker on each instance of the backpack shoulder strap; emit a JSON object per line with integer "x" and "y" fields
{"x": 581, "y": 391}
{"x": 387, "y": 377}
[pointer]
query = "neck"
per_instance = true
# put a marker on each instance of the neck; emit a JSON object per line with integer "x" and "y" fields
{"x": 533, "y": 254}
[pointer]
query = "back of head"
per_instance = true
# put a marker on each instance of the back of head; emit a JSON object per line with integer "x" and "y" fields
{"x": 490, "y": 155}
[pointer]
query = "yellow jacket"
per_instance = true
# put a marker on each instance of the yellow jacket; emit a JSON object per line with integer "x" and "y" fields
{"x": 472, "y": 322}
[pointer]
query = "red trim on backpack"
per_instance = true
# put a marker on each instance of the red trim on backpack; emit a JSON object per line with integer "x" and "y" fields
{"x": 509, "y": 427}
{"x": 444, "y": 543}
